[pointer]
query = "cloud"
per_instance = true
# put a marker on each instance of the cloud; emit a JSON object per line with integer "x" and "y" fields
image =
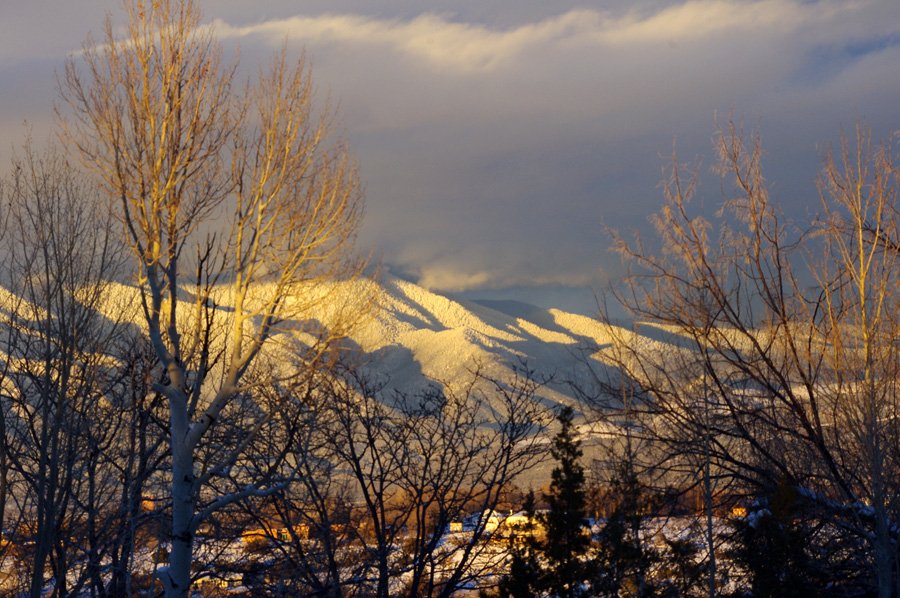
{"x": 469, "y": 47}
{"x": 431, "y": 38}
{"x": 496, "y": 139}
{"x": 454, "y": 278}
{"x": 442, "y": 278}
{"x": 706, "y": 18}
{"x": 492, "y": 153}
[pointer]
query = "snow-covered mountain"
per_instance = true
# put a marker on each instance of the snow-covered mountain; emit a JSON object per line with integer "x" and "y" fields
{"x": 417, "y": 336}
{"x": 412, "y": 338}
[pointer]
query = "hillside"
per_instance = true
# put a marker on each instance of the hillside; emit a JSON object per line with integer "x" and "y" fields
{"x": 419, "y": 336}
{"x": 415, "y": 338}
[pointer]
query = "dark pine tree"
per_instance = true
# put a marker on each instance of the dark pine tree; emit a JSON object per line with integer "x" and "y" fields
{"x": 773, "y": 545}
{"x": 565, "y": 522}
{"x": 555, "y": 565}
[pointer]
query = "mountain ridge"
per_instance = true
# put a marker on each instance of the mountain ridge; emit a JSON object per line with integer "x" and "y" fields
{"x": 420, "y": 337}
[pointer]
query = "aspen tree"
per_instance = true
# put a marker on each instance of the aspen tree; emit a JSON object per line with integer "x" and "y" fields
{"x": 240, "y": 205}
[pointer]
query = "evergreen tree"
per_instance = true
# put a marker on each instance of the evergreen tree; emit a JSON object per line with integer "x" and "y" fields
{"x": 772, "y": 544}
{"x": 622, "y": 561}
{"x": 567, "y": 539}
{"x": 555, "y": 565}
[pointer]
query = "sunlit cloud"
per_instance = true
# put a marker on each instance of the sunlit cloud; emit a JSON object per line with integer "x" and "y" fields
{"x": 493, "y": 148}
{"x": 466, "y": 47}
{"x": 703, "y": 18}
{"x": 431, "y": 38}
{"x": 452, "y": 276}
{"x": 449, "y": 279}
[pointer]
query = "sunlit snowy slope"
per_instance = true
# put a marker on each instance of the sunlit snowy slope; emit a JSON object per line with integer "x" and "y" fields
{"x": 417, "y": 336}
{"x": 411, "y": 339}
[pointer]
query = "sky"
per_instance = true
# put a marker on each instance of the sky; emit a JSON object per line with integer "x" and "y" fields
{"x": 497, "y": 139}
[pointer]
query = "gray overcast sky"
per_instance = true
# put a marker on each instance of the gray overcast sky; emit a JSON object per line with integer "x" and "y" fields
{"x": 497, "y": 136}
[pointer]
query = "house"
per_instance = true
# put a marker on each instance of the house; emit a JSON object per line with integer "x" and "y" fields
{"x": 519, "y": 520}
{"x": 521, "y": 525}
{"x": 276, "y": 530}
{"x": 488, "y": 520}
{"x": 232, "y": 580}
{"x": 148, "y": 503}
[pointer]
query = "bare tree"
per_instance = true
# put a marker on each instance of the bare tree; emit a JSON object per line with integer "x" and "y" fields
{"x": 387, "y": 474}
{"x": 6, "y": 334}
{"x": 157, "y": 116}
{"x": 60, "y": 256}
{"x": 791, "y": 332}
{"x": 130, "y": 450}
{"x": 859, "y": 279}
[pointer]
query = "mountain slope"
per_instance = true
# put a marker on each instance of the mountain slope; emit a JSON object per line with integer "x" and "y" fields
{"x": 418, "y": 335}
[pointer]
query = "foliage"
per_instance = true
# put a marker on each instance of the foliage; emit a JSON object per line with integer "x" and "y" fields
{"x": 525, "y": 575}
{"x": 385, "y": 476}
{"x": 567, "y": 538}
